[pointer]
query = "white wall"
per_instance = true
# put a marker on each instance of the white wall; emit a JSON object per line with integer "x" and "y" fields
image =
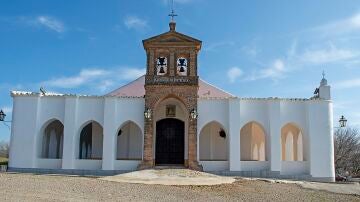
{"x": 32, "y": 112}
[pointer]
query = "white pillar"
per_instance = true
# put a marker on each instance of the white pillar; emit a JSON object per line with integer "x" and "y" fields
{"x": 110, "y": 136}
{"x": 275, "y": 134}
{"x": 234, "y": 134}
{"x": 70, "y": 133}
{"x": 320, "y": 130}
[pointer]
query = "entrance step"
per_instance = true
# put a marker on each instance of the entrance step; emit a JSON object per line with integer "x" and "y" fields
{"x": 170, "y": 177}
{"x": 161, "y": 167}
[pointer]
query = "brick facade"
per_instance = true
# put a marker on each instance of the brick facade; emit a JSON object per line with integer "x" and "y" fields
{"x": 171, "y": 45}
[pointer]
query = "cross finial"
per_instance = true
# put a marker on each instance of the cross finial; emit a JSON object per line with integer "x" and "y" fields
{"x": 172, "y": 14}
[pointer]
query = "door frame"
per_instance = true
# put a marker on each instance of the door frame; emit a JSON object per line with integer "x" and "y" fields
{"x": 183, "y": 138}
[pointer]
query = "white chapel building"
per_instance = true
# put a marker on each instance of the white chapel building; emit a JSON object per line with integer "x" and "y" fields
{"x": 170, "y": 116}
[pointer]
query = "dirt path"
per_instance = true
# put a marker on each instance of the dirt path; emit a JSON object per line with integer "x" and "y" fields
{"x": 20, "y": 187}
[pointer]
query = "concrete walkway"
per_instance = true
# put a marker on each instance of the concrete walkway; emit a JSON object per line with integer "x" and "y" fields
{"x": 340, "y": 188}
{"x": 170, "y": 177}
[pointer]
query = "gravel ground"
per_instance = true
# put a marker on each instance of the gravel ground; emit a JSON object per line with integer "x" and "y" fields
{"x": 30, "y": 187}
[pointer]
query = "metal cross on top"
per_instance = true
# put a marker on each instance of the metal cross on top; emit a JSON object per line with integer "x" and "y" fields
{"x": 172, "y": 14}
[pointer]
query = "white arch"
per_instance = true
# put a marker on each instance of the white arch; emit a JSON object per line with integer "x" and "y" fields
{"x": 211, "y": 145}
{"x": 253, "y": 142}
{"x": 129, "y": 141}
{"x": 51, "y": 139}
{"x": 292, "y": 147}
{"x": 90, "y": 145}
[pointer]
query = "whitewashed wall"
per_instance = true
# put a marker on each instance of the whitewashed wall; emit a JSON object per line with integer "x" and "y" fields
{"x": 32, "y": 113}
{"x": 272, "y": 115}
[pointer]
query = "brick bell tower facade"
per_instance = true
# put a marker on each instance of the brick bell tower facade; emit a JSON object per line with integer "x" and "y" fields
{"x": 171, "y": 73}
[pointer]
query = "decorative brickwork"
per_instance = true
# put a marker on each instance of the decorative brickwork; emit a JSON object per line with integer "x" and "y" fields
{"x": 160, "y": 87}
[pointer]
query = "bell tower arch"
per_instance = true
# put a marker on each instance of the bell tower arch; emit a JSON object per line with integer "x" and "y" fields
{"x": 171, "y": 70}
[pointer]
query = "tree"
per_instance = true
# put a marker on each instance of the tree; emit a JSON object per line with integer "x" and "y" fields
{"x": 347, "y": 151}
{"x": 4, "y": 149}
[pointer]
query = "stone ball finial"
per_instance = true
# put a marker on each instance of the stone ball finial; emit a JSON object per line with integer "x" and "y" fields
{"x": 172, "y": 26}
{"x": 323, "y": 82}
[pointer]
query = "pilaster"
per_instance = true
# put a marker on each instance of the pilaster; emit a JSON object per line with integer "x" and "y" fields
{"x": 70, "y": 133}
{"x": 234, "y": 135}
{"x": 110, "y": 136}
{"x": 274, "y": 110}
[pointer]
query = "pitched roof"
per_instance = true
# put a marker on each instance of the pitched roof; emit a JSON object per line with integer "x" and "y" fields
{"x": 136, "y": 89}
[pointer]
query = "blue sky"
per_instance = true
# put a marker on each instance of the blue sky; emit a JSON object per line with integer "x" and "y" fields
{"x": 250, "y": 48}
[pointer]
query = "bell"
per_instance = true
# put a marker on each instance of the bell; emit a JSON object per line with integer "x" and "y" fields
{"x": 161, "y": 70}
{"x": 182, "y": 69}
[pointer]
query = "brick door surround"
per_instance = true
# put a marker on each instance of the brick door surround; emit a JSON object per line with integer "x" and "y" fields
{"x": 183, "y": 88}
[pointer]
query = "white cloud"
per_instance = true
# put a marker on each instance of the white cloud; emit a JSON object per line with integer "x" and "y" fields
{"x": 218, "y": 45}
{"x": 134, "y": 22}
{"x": 51, "y": 23}
{"x": 234, "y": 73}
{"x": 101, "y": 79}
{"x": 350, "y": 83}
{"x": 85, "y": 76}
{"x": 132, "y": 73}
{"x": 346, "y": 25}
{"x": 48, "y": 22}
{"x": 328, "y": 55}
{"x": 275, "y": 71}
{"x": 252, "y": 50}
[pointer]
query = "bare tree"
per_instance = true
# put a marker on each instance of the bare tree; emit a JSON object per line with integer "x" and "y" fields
{"x": 4, "y": 149}
{"x": 347, "y": 150}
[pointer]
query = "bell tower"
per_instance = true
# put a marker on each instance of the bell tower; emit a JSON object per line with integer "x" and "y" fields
{"x": 171, "y": 72}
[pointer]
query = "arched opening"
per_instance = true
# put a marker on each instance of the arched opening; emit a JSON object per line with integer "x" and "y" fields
{"x": 129, "y": 142}
{"x": 213, "y": 143}
{"x": 252, "y": 142}
{"x": 291, "y": 143}
{"x": 52, "y": 141}
{"x": 170, "y": 131}
{"x": 91, "y": 141}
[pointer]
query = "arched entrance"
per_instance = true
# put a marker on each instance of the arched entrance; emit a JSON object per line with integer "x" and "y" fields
{"x": 169, "y": 142}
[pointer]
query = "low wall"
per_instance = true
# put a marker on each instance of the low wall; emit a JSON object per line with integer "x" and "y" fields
{"x": 254, "y": 165}
{"x": 126, "y": 164}
{"x": 49, "y": 163}
{"x": 88, "y": 164}
{"x": 215, "y": 165}
{"x": 294, "y": 168}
